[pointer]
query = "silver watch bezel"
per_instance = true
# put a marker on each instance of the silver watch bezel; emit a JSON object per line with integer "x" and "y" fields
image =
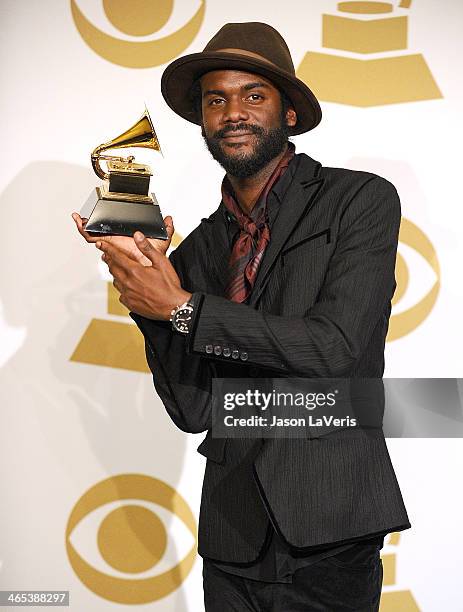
{"x": 183, "y": 328}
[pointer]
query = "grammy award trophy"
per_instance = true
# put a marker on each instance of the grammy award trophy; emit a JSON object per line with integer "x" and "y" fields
{"x": 122, "y": 204}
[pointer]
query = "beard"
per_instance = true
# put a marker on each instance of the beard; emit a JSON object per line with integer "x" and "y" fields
{"x": 270, "y": 143}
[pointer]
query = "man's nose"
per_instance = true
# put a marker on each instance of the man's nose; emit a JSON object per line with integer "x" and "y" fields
{"x": 235, "y": 111}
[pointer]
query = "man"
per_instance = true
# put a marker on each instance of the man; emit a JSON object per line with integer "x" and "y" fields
{"x": 292, "y": 276}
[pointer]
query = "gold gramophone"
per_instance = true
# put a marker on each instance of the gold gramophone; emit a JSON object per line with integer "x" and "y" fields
{"x": 122, "y": 204}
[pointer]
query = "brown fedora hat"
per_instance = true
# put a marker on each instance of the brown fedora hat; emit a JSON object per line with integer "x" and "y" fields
{"x": 251, "y": 47}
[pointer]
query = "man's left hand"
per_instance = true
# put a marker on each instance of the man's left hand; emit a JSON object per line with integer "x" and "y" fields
{"x": 151, "y": 291}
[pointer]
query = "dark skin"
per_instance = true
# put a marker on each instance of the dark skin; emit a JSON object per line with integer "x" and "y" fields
{"x": 146, "y": 280}
{"x": 233, "y": 96}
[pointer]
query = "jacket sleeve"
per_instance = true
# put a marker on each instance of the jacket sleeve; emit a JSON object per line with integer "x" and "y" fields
{"x": 183, "y": 381}
{"x": 334, "y": 332}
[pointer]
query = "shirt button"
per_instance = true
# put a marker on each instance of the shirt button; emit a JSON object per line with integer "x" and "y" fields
{"x": 243, "y": 356}
{"x": 209, "y": 348}
{"x": 217, "y": 349}
{"x": 226, "y": 352}
{"x": 235, "y": 354}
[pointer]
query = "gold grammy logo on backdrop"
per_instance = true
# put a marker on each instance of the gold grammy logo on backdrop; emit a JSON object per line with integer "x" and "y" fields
{"x": 115, "y": 343}
{"x": 397, "y": 77}
{"x": 405, "y": 322}
{"x": 131, "y": 539}
{"x": 138, "y": 18}
{"x": 391, "y": 600}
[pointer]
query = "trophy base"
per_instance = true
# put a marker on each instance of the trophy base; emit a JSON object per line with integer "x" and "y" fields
{"x": 122, "y": 218}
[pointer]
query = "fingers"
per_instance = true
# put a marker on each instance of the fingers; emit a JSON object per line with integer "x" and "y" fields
{"x": 122, "y": 298}
{"x": 146, "y": 247}
{"x": 169, "y": 223}
{"x": 80, "y": 224}
{"x": 159, "y": 244}
{"x": 119, "y": 264}
{"x": 79, "y": 221}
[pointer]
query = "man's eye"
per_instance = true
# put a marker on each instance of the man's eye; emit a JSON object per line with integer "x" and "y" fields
{"x": 215, "y": 101}
{"x": 255, "y": 97}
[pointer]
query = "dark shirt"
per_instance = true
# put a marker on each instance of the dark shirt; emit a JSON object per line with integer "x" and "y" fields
{"x": 277, "y": 561}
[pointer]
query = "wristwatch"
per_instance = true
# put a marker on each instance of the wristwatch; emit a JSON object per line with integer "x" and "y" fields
{"x": 181, "y": 317}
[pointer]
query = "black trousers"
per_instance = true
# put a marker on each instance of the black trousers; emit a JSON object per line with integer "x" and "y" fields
{"x": 349, "y": 581}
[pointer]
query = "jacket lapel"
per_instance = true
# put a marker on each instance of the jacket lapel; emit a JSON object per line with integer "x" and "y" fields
{"x": 298, "y": 200}
{"x": 218, "y": 248}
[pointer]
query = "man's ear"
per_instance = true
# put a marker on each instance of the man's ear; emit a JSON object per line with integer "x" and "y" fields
{"x": 291, "y": 117}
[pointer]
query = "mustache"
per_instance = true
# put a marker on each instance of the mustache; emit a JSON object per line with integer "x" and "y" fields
{"x": 239, "y": 127}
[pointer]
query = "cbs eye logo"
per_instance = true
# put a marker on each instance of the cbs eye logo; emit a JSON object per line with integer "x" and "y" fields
{"x": 136, "y": 21}
{"x": 411, "y": 304}
{"x": 131, "y": 539}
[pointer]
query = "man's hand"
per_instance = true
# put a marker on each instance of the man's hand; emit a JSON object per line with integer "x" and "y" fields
{"x": 151, "y": 291}
{"x": 126, "y": 243}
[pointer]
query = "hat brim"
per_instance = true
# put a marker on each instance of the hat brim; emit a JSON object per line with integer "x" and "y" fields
{"x": 180, "y": 75}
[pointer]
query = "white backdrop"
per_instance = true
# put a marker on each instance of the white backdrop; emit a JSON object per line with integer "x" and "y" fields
{"x": 72, "y": 420}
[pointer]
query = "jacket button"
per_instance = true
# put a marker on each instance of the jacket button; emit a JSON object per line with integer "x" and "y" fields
{"x": 209, "y": 348}
{"x": 243, "y": 356}
{"x": 226, "y": 352}
{"x": 217, "y": 349}
{"x": 235, "y": 354}
{"x": 253, "y": 371}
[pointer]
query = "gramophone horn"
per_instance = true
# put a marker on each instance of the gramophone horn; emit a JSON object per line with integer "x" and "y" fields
{"x": 141, "y": 134}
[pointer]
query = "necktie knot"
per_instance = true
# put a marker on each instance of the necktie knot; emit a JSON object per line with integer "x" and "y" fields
{"x": 250, "y": 227}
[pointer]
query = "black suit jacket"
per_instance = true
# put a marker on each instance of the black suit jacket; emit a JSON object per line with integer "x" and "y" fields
{"x": 320, "y": 307}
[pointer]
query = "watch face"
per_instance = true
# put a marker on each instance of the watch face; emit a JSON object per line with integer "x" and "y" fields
{"x": 182, "y": 318}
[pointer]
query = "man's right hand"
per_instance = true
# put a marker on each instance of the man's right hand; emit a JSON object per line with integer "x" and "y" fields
{"x": 127, "y": 243}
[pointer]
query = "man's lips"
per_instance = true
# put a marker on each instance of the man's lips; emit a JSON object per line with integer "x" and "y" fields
{"x": 237, "y": 136}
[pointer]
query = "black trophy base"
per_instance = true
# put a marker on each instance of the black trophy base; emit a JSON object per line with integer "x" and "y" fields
{"x": 120, "y": 218}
